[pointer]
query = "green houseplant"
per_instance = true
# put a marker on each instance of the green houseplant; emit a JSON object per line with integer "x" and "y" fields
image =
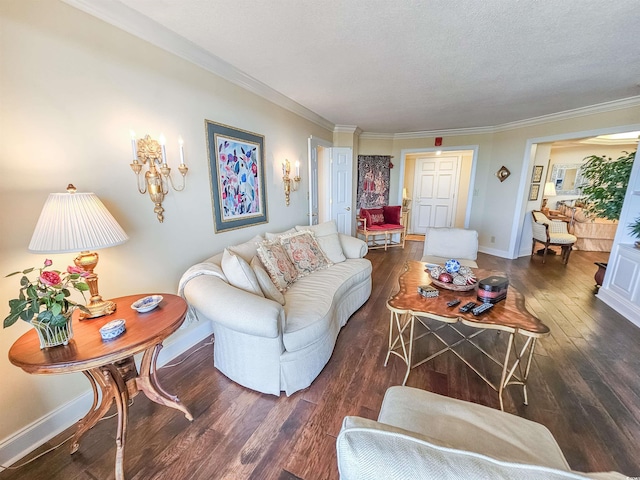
{"x": 607, "y": 184}
{"x": 634, "y": 230}
{"x": 44, "y": 302}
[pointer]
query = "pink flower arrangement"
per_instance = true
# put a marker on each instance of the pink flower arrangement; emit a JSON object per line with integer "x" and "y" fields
{"x": 47, "y": 297}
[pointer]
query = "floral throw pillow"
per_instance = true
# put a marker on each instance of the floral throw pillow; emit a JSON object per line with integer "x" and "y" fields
{"x": 304, "y": 252}
{"x": 277, "y": 264}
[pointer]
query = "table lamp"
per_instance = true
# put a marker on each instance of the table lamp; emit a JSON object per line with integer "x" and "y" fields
{"x": 78, "y": 222}
{"x": 549, "y": 191}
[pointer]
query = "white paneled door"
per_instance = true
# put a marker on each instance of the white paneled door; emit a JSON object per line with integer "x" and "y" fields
{"x": 435, "y": 191}
{"x": 342, "y": 188}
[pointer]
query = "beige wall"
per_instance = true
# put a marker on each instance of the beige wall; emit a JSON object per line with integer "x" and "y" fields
{"x": 71, "y": 89}
{"x": 494, "y": 210}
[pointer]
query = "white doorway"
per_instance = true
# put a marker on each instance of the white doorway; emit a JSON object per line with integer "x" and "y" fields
{"x": 342, "y": 188}
{"x": 330, "y": 185}
{"x": 435, "y": 191}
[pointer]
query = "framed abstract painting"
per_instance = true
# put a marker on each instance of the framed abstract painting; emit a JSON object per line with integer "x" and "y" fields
{"x": 236, "y": 167}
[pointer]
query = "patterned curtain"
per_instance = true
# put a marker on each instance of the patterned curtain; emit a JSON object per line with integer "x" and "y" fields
{"x": 373, "y": 181}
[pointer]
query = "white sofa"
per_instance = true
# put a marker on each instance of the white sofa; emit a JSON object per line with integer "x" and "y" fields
{"x": 424, "y": 435}
{"x": 269, "y": 347}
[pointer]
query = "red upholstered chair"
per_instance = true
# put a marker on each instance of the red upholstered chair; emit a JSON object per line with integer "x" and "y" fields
{"x": 379, "y": 225}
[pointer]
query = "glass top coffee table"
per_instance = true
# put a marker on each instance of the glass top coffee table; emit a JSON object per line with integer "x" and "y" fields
{"x": 408, "y": 308}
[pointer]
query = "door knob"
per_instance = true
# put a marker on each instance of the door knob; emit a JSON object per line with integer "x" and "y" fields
{"x": 348, "y": 209}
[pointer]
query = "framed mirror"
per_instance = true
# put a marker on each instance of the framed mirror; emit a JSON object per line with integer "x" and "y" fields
{"x": 567, "y": 178}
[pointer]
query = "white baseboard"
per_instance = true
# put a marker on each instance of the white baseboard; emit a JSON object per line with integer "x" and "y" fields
{"x": 19, "y": 444}
{"x": 620, "y": 304}
{"x": 494, "y": 252}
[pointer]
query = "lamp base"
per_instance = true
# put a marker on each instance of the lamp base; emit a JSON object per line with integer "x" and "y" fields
{"x": 98, "y": 309}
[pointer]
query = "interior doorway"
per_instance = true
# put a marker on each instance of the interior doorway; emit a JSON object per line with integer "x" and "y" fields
{"x": 331, "y": 185}
{"x": 438, "y": 186}
{"x": 560, "y": 161}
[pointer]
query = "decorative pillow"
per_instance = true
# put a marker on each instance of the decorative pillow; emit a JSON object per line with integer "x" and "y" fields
{"x": 277, "y": 264}
{"x": 304, "y": 252}
{"x": 247, "y": 250}
{"x": 327, "y": 237}
{"x": 268, "y": 288}
{"x": 274, "y": 237}
{"x": 239, "y": 273}
{"x": 392, "y": 215}
{"x": 374, "y": 216}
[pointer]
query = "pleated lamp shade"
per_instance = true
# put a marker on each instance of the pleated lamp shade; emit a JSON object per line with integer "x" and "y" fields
{"x": 75, "y": 222}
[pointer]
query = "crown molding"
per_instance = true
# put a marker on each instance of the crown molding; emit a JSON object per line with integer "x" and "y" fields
{"x": 574, "y": 113}
{"x": 133, "y": 22}
{"x": 379, "y": 136}
{"x": 553, "y": 117}
{"x": 353, "y": 129}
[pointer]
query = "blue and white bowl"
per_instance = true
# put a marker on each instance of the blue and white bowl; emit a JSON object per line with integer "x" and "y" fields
{"x": 113, "y": 329}
{"x": 147, "y": 304}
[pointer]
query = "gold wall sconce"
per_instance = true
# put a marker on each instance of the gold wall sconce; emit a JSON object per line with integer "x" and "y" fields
{"x": 156, "y": 179}
{"x": 290, "y": 183}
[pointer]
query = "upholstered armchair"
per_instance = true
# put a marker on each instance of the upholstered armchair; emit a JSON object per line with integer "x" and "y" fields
{"x": 441, "y": 244}
{"x": 548, "y": 233}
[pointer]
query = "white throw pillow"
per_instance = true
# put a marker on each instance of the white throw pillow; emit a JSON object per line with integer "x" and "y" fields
{"x": 327, "y": 237}
{"x": 239, "y": 273}
{"x": 274, "y": 237}
{"x": 247, "y": 250}
{"x": 268, "y": 288}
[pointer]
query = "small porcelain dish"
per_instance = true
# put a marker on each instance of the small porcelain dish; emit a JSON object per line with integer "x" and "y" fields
{"x": 147, "y": 304}
{"x": 113, "y": 329}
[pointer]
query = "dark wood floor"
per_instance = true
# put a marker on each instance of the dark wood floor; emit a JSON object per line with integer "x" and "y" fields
{"x": 584, "y": 387}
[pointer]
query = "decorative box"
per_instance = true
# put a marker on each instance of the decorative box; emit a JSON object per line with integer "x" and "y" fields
{"x": 492, "y": 289}
{"x": 113, "y": 329}
{"x": 428, "y": 291}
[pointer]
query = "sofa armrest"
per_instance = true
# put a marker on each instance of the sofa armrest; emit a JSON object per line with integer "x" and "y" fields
{"x": 234, "y": 308}
{"x": 353, "y": 247}
{"x": 367, "y": 449}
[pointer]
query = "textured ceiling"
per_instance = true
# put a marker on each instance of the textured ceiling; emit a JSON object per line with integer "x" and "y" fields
{"x": 406, "y": 66}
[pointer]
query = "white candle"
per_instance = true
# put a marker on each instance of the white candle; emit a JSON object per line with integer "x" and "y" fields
{"x": 181, "y": 143}
{"x": 164, "y": 151}
{"x": 134, "y": 148}
{"x": 283, "y": 169}
{"x": 297, "y": 168}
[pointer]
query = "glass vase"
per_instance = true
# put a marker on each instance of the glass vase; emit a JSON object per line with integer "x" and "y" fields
{"x": 51, "y": 336}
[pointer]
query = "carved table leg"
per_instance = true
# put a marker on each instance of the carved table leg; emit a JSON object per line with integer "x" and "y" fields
{"x": 97, "y": 411}
{"x": 147, "y": 382}
{"x": 118, "y": 389}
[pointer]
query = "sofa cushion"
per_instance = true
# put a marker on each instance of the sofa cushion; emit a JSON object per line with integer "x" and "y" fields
{"x": 327, "y": 237}
{"x": 310, "y": 301}
{"x": 368, "y": 450}
{"x": 247, "y": 250}
{"x": 268, "y": 288}
{"x": 304, "y": 252}
{"x": 471, "y": 427}
{"x": 277, "y": 264}
{"x": 239, "y": 273}
{"x": 272, "y": 237}
{"x": 392, "y": 214}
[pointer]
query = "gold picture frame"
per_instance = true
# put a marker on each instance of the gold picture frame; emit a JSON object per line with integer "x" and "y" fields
{"x": 534, "y": 191}
{"x": 536, "y": 176}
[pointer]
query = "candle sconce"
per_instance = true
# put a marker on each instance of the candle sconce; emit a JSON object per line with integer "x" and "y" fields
{"x": 290, "y": 183}
{"x": 156, "y": 179}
